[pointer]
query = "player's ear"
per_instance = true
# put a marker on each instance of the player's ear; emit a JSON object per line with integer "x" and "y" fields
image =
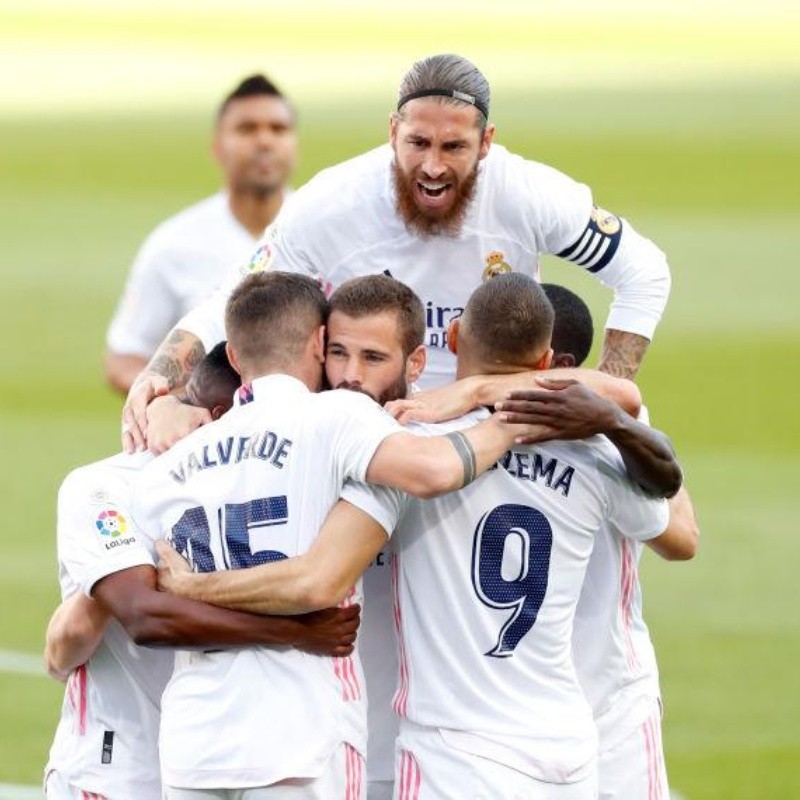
{"x": 394, "y": 121}
{"x": 232, "y": 357}
{"x": 452, "y": 336}
{"x": 218, "y": 411}
{"x": 486, "y": 141}
{"x": 415, "y": 364}
{"x": 319, "y": 344}
{"x": 545, "y": 361}
{"x": 563, "y": 360}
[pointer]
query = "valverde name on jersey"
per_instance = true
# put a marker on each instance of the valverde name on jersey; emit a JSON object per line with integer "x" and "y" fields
{"x": 266, "y": 446}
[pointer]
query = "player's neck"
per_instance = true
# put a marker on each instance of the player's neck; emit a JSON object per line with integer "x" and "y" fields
{"x": 255, "y": 211}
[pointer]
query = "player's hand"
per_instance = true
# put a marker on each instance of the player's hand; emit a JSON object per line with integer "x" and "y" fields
{"x": 330, "y": 632}
{"x": 562, "y": 409}
{"x": 134, "y": 413}
{"x": 435, "y": 405}
{"x": 171, "y": 569}
{"x": 169, "y": 420}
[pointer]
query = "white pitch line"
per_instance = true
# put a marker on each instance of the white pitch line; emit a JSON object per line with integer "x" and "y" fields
{"x": 10, "y": 791}
{"x": 21, "y": 664}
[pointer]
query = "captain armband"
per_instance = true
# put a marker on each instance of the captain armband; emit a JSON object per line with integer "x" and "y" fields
{"x": 466, "y": 454}
{"x": 596, "y": 246}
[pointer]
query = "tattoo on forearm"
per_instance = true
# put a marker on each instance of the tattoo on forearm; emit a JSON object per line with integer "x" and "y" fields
{"x": 622, "y": 353}
{"x": 173, "y": 361}
{"x": 466, "y": 453}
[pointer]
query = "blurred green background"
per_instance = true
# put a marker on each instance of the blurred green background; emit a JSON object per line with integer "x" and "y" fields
{"x": 684, "y": 118}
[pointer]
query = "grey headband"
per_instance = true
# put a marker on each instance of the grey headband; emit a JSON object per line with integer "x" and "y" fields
{"x": 456, "y": 95}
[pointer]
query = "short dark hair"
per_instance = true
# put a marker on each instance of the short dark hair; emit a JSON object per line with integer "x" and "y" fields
{"x": 508, "y": 318}
{"x": 213, "y": 381}
{"x": 270, "y": 316}
{"x": 374, "y": 294}
{"x": 252, "y": 86}
{"x": 573, "y": 329}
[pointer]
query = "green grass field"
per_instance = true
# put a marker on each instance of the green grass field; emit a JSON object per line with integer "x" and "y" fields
{"x": 710, "y": 171}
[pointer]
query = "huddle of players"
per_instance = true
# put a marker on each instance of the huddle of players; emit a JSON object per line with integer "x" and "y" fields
{"x": 486, "y": 579}
{"x": 481, "y": 611}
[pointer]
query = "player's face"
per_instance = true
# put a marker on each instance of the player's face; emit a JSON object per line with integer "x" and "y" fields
{"x": 437, "y": 148}
{"x": 256, "y": 144}
{"x": 366, "y": 355}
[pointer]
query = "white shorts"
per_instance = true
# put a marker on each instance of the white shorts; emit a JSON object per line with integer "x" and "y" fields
{"x": 342, "y": 779}
{"x": 56, "y": 788}
{"x": 634, "y": 769}
{"x": 426, "y": 768}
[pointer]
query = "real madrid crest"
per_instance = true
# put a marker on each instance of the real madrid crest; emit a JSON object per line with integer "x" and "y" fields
{"x": 495, "y": 265}
{"x": 606, "y": 222}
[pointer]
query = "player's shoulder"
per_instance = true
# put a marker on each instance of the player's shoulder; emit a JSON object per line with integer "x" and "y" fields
{"x": 104, "y": 483}
{"x": 341, "y": 190}
{"x": 117, "y": 469}
{"x": 513, "y": 169}
{"x": 197, "y": 220}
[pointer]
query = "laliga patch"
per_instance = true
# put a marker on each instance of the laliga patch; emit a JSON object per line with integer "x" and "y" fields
{"x": 495, "y": 265}
{"x": 112, "y": 528}
{"x": 598, "y": 243}
{"x": 262, "y": 259}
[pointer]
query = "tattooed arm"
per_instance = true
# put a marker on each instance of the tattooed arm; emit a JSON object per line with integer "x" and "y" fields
{"x": 168, "y": 371}
{"x": 622, "y": 353}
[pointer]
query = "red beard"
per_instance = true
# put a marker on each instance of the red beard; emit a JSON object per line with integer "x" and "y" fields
{"x": 423, "y": 223}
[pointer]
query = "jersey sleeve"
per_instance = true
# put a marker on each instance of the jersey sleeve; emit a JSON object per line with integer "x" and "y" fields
{"x": 382, "y": 503}
{"x": 96, "y": 534}
{"x": 571, "y": 226}
{"x": 148, "y": 307}
{"x": 630, "y": 511}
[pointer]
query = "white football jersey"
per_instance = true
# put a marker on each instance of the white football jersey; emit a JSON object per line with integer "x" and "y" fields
{"x": 180, "y": 263}
{"x": 255, "y": 487}
{"x": 488, "y": 579}
{"x": 107, "y": 738}
{"x": 343, "y": 224}
{"x": 611, "y": 643}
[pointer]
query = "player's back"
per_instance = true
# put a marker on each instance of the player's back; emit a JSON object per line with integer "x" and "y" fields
{"x": 488, "y": 582}
{"x": 107, "y": 739}
{"x": 251, "y": 488}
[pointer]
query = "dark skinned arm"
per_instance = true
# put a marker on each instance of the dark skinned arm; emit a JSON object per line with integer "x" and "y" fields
{"x": 570, "y": 410}
{"x": 160, "y": 619}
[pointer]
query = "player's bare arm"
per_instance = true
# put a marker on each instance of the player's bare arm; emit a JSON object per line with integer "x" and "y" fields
{"x": 169, "y": 370}
{"x": 570, "y": 410}
{"x": 456, "y": 399}
{"x": 429, "y": 466}
{"x": 159, "y": 619}
{"x": 622, "y": 353}
{"x": 320, "y": 578}
{"x": 679, "y": 541}
{"x": 73, "y": 634}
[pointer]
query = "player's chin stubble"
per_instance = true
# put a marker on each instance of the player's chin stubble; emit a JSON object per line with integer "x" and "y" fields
{"x": 417, "y": 220}
{"x": 395, "y": 391}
